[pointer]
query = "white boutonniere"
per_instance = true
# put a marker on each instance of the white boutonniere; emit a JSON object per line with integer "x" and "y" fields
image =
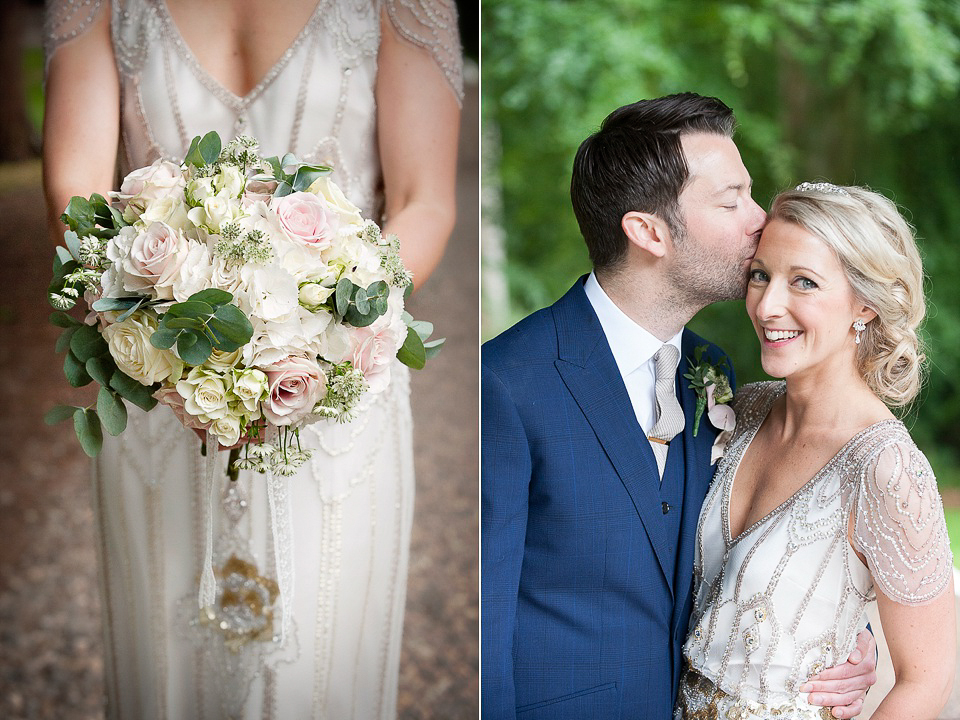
{"x": 712, "y": 385}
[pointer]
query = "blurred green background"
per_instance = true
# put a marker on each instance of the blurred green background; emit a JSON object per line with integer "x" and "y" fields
{"x": 858, "y": 92}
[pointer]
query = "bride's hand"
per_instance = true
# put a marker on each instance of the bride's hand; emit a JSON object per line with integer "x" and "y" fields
{"x": 844, "y": 687}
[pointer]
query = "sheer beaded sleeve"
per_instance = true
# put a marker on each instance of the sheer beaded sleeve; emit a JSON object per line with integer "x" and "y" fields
{"x": 899, "y": 524}
{"x": 66, "y": 19}
{"x": 432, "y": 25}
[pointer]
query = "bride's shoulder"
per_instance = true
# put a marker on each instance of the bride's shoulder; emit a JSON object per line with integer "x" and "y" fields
{"x": 757, "y": 397}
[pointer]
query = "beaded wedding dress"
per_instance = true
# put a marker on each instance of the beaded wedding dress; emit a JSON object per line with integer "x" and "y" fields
{"x": 786, "y": 598}
{"x": 331, "y": 649}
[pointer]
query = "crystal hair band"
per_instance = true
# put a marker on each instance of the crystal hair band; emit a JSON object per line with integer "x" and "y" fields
{"x": 823, "y": 187}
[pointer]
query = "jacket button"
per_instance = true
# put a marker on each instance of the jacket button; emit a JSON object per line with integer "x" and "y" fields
{"x": 666, "y": 508}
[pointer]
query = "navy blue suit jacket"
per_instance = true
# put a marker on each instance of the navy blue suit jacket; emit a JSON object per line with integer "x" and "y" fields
{"x": 585, "y": 598}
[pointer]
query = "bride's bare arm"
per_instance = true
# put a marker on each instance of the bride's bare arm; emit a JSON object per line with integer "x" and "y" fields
{"x": 418, "y": 129}
{"x": 923, "y": 644}
{"x": 81, "y": 122}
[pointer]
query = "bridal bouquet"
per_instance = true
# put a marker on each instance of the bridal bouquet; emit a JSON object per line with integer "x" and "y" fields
{"x": 245, "y": 293}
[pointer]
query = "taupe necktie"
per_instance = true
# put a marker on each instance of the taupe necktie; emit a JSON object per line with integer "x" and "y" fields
{"x": 669, "y": 414}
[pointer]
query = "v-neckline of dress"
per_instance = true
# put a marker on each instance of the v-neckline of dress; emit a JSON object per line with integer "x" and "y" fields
{"x": 238, "y": 102}
{"x": 727, "y": 492}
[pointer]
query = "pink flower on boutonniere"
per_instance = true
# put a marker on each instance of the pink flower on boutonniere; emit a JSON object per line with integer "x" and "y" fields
{"x": 723, "y": 418}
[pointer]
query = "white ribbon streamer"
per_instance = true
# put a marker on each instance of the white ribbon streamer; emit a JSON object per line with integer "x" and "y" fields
{"x": 279, "y": 500}
{"x": 208, "y": 581}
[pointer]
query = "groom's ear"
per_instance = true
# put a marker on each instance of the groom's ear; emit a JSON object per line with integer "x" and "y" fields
{"x": 647, "y": 232}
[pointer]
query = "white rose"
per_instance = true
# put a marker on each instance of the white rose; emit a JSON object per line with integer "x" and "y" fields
{"x": 226, "y": 429}
{"x": 130, "y": 348}
{"x": 249, "y": 387}
{"x": 215, "y": 211}
{"x": 198, "y": 190}
{"x": 229, "y": 181}
{"x": 312, "y": 296}
{"x": 154, "y": 261}
{"x": 204, "y": 394}
{"x": 220, "y": 361}
{"x": 169, "y": 210}
{"x": 327, "y": 189}
{"x": 146, "y": 185}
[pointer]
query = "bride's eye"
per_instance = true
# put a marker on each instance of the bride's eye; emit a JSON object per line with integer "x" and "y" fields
{"x": 806, "y": 283}
{"x": 758, "y": 276}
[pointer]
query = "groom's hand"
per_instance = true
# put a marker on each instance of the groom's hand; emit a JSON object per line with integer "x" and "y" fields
{"x": 844, "y": 687}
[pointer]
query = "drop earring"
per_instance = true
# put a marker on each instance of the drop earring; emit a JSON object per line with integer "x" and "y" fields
{"x": 859, "y": 326}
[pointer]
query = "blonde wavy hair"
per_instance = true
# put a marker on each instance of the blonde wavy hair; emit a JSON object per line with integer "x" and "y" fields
{"x": 879, "y": 255}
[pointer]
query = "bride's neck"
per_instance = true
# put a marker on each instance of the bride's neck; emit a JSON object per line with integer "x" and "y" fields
{"x": 830, "y": 402}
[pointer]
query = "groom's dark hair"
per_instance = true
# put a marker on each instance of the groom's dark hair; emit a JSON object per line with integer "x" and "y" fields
{"x": 635, "y": 162}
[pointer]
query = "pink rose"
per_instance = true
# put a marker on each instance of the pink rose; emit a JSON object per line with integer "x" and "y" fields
{"x": 142, "y": 186}
{"x": 307, "y": 219}
{"x": 294, "y": 385}
{"x": 155, "y": 259}
{"x": 374, "y": 349}
{"x": 257, "y": 190}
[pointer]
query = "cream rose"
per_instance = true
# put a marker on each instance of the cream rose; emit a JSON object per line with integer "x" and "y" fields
{"x": 204, "y": 394}
{"x": 295, "y": 385}
{"x": 130, "y": 347}
{"x": 169, "y": 210}
{"x": 226, "y": 429}
{"x": 172, "y": 399}
{"x": 313, "y": 295}
{"x": 154, "y": 260}
{"x": 325, "y": 188}
{"x": 307, "y": 219}
{"x": 146, "y": 185}
{"x": 249, "y": 387}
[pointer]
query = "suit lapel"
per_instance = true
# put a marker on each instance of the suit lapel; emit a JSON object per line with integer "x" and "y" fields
{"x": 699, "y": 472}
{"x": 591, "y": 375}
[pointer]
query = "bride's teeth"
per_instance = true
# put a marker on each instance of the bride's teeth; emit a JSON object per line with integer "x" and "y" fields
{"x": 774, "y": 335}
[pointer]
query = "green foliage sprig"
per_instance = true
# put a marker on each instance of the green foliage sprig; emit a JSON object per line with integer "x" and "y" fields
{"x": 205, "y": 322}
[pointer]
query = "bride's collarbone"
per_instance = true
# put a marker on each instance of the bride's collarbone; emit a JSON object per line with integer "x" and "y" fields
{"x": 770, "y": 473}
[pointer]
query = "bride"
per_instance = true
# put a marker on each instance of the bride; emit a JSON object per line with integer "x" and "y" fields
{"x": 372, "y": 88}
{"x": 822, "y": 502}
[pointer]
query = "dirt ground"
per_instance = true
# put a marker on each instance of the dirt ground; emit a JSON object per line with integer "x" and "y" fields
{"x": 50, "y": 664}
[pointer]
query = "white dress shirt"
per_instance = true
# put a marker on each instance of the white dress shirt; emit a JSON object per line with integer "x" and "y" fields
{"x": 633, "y": 350}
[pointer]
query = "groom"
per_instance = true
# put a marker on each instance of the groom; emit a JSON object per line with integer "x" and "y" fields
{"x": 592, "y": 478}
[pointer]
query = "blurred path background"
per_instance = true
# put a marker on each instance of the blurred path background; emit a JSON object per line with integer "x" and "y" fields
{"x": 50, "y": 664}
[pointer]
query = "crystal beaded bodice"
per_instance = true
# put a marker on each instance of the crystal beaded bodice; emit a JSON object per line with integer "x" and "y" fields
{"x": 786, "y": 598}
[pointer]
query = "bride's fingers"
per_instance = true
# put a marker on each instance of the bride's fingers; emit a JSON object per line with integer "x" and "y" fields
{"x": 848, "y": 711}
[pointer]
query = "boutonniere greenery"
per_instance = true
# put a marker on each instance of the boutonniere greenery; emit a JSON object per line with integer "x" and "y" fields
{"x": 711, "y": 382}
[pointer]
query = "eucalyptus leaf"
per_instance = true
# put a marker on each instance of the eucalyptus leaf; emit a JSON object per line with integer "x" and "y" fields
{"x": 356, "y": 319}
{"x": 61, "y": 319}
{"x": 190, "y": 308}
{"x": 59, "y": 413}
{"x": 361, "y": 302}
{"x": 75, "y": 371}
{"x": 194, "y": 349}
{"x": 63, "y": 342}
{"x": 184, "y": 323}
{"x": 87, "y": 426}
{"x": 193, "y": 156}
{"x": 130, "y": 311}
{"x": 131, "y": 390}
{"x": 79, "y": 215}
{"x": 163, "y": 338}
{"x": 422, "y": 328}
{"x": 305, "y": 177}
{"x": 111, "y": 304}
{"x": 412, "y": 353}
{"x": 63, "y": 255}
{"x": 283, "y": 188}
{"x": 211, "y": 296}
{"x": 209, "y": 147}
{"x": 100, "y": 369}
{"x": 343, "y": 295}
{"x": 73, "y": 244}
{"x": 432, "y": 348}
{"x": 382, "y": 305}
{"x": 87, "y": 343}
{"x": 112, "y": 411}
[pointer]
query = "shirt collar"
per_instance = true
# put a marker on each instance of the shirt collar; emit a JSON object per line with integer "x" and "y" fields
{"x": 631, "y": 345}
